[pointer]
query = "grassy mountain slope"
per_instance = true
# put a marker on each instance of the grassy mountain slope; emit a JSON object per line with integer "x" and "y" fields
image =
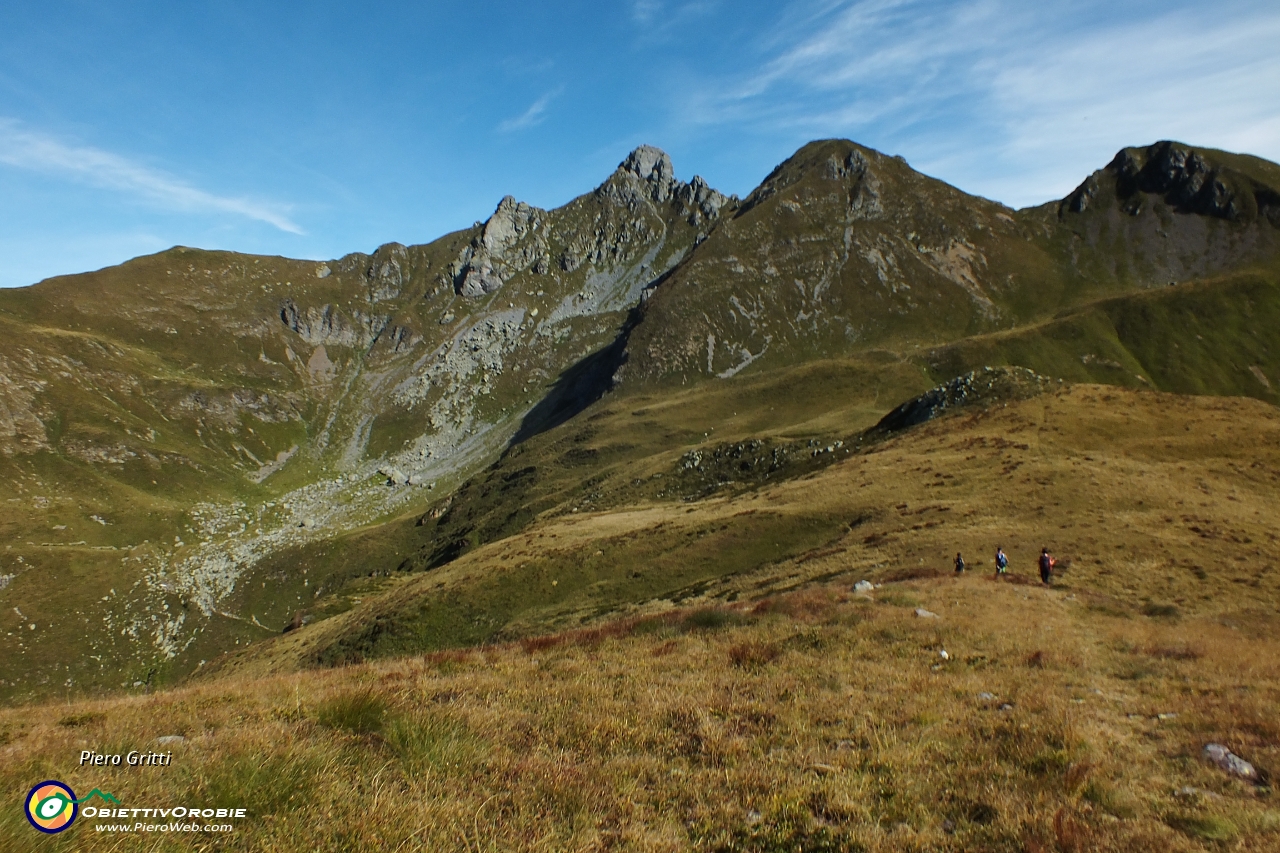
{"x": 190, "y": 413}
{"x": 1116, "y": 479}
{"x": 843, "y": 249}
{"x": 1203, "y": 338}
{"x": 1211, "y": 336}
{"x": 201, "y": 448}
{"x": 774, "y": 708}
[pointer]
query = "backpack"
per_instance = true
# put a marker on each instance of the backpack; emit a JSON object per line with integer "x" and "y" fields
{"x": 1001, "y": 560}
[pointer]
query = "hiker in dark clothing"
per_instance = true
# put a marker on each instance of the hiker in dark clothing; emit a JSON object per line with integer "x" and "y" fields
{"x": 1046, "y": 566}
{"x": 959, "y": 563}
{"x": 1002, "y": 562}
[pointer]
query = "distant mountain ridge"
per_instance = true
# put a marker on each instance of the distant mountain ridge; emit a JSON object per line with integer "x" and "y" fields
{"x": 842, "y": 248}
{"x": 172, "y": 428}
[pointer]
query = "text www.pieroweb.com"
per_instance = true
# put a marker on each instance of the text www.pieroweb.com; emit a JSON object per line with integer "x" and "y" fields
{"x": 179, "y": 819}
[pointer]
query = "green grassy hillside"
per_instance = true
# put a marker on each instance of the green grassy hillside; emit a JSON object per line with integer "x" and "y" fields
{"x": 1097, "y": 472}
{"x": 167, "y": 424}
{"x": 843, "y": 249}
{"x": 1211, "y": 336}
{"x": 199, "y": 449}
{"x": 770, "y": 706}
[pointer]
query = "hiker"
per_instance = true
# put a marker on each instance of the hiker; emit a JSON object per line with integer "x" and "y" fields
{"x": 1002, "y": 562}
{"x": 1046, "y": 566}
{"x": 959, "y": 563}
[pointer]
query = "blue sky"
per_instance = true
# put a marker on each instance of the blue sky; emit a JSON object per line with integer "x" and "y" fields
{"x": 315, "y": 129}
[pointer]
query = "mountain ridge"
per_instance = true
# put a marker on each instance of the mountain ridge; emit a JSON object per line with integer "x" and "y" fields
{"x": 170, "y": 427}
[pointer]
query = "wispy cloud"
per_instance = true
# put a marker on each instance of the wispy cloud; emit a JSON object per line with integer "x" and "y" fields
{"x": 532, "y": 116}
{"x": 27, "y": 149}
{"x": 661, "y": 20}
{"x": 644, "y": 11}
{"x": 1015, "y": 100}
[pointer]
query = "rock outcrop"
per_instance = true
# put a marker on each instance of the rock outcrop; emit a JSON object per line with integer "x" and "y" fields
{"x": 500, "y": 250}
{"x": 979, "y": 387}
{"x": 1184, "y": 178}
{"x": 386, "y": 274}
{"x": 520, "y": 238}
{"x": 647, "y": 175}
{"x": 328, "y": 325}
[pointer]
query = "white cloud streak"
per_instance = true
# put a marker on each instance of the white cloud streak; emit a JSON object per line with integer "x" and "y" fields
{"x": 644, "y": 11}
{"x": 532, "y": 116}
{"x": 39, "y": 152}
{"x": 1018, "y": 101}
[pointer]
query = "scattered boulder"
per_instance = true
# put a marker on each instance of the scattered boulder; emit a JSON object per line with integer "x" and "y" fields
{"x": 395, "y": 477}
{"x": 1230, "y": 762}
{"x": 1187, "y": 792}
{"x": 170, "y": 739}
{"x": 863, "y": 586}
{"x": 926, "y": 614}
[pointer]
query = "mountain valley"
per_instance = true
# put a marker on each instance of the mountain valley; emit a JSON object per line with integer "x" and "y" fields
{"x": 201, "y": 449}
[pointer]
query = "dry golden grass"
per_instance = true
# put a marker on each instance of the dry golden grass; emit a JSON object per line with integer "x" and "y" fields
{"x": 799, "y": 715}
{"x": 820, "y": 721}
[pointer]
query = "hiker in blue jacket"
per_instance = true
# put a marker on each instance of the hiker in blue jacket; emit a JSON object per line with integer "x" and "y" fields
{"x": 1002, "y": 562}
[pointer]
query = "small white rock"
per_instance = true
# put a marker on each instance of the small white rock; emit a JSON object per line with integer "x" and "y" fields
{"x": 1230, "y": 762}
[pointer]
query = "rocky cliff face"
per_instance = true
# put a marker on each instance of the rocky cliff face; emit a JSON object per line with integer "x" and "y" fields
{"x": 1185, "y": 179}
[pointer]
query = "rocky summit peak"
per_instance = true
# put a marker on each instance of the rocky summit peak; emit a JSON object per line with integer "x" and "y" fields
{"x": 651, "y": 167}
{"x": 648, "y": 162}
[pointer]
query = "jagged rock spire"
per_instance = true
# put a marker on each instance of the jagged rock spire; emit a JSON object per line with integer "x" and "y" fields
{"x": 652, "y": 167}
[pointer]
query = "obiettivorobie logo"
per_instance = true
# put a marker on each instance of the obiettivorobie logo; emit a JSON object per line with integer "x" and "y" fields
{"x": 52, "y": 805}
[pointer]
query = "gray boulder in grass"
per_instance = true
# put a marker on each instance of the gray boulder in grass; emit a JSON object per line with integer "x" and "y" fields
{"x": 1230, "y": 762}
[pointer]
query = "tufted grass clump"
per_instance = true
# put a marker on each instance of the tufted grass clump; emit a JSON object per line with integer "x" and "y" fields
{"x": 360, "y": 712}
